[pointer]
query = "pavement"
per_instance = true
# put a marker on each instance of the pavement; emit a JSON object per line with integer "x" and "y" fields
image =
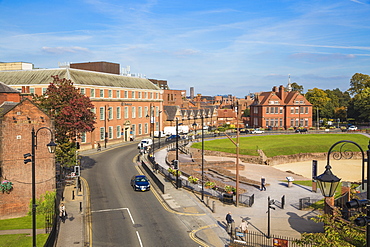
{"x": 206, "y": 219}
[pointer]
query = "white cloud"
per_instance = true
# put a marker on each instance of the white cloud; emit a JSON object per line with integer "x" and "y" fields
{"x": 60, "y": 50}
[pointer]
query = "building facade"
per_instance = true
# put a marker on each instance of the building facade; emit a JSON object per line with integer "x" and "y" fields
{"x": 122, "y": 104}
{"x": 280, "y": 109}
{"x": 17, "y": 119}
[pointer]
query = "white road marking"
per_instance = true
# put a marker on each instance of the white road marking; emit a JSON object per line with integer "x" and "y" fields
{"x": 129, "y": 213}
{"x": 138, "y": 236}
{"x": 116, "y": 209}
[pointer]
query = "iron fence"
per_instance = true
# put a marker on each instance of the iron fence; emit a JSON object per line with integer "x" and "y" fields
{"x": 257, "y": 239}
{"x": 306, "y": 202}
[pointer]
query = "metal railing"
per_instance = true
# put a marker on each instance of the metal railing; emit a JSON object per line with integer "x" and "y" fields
{"x": 306, "y": 202}
{"x": 257, "y": 239}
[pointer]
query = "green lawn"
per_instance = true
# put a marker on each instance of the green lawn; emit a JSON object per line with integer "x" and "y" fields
{"x": 21, "y": 240}
{"x": 22, "y": 223}
{"x": 273, "y": 145}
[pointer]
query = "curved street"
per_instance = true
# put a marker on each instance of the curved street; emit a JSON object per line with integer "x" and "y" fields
{"x": 121, "y": 216}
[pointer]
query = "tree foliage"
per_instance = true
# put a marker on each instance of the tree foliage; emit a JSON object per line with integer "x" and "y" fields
{"x": 337, "y": 232}
{"x": 72, "y": 114}
{"x": 70, "y": 109}
{"x": 358, "y": 83}
{"x": 296, "y": 87}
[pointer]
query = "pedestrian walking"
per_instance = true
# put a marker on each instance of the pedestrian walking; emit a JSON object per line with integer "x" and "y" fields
{"x": 62, "y": 212}
{"x": 244, "y": 227}
{"x": 229, "y": 221}
{"x": 263, "y": 184}
{"x": 99, "y": 147}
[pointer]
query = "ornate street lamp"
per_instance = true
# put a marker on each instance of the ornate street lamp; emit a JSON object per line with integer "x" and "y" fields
{"x": 51, "y": 148}
{"x": 328, "y": 182}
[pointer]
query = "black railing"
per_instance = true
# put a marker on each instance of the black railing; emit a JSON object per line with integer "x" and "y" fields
{"x": 306, "y": 202}
{"x": 257, "y": 239}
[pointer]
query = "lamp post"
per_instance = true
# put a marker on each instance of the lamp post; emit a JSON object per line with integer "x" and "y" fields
{"x": 328, "y": 182}
{"x": 177, "y": 152}
{"x": 51, "y": 147}
{"x": 237, "y": 153}
{"x": 195, "y": 126}
{"x": 202, "y": 158}
{"x": 159, "y": 130}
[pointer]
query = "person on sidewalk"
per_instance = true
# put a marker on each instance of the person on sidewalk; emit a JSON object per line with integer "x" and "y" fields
{"x": 99, "y": 147}
{"x": 263, "y": 184}
{"x": 229, "y": 221}
{"x": 244, "y": 227}
{"x": 62, "y": 212}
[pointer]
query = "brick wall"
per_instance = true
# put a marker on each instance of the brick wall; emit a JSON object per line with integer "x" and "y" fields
{"x": 15, "y": 140}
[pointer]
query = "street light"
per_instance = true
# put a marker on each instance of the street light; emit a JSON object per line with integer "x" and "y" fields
{"x": 202, "y": 158}
{"x": 328, "y": 182}
{"x": 51, "y": 147}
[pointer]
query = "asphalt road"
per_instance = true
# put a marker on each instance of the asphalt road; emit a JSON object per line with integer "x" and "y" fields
{"x": 121, "y": 216}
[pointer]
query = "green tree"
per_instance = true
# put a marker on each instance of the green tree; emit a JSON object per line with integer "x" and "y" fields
{"x": 296, "y": 87}
{"x": 361, "y": 104}
{"x": 358, "y": 83}
{"x": 319, "y": 99}
{"x": 72, "y": 115}
{"x": 337, "y": 232}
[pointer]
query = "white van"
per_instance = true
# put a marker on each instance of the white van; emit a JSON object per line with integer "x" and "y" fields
{"x": 157, "y": 133}
{"x": 145, "y": 143}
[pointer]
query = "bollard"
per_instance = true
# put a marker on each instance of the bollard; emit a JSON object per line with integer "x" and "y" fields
{"x": 207, "y": 200}
{"x": 73, "y": 194}
{"x": 213, "y": 206}
{"x": 80, "y": 207}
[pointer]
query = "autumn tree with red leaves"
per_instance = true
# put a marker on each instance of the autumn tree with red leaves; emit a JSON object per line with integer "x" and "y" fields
{"x": 71, "y": 112}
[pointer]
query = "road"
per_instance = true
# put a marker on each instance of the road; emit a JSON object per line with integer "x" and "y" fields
{"x": 121, "y": 216}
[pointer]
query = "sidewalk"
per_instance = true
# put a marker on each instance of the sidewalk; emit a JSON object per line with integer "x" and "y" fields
{"x": 207, "y": 228}
{"x": 288, "y": 222}
{"x": 72, "y": 232}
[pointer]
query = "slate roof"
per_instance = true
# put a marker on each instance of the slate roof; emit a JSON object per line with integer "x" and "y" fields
{"x": 78, "y": 77}
{"x": 6, "y": 107}
{"x": 6, "y": 89}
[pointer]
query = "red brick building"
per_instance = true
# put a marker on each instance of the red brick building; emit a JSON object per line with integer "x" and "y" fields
{"x": 121, "y": 103}
{"x": 17, "y": 118}
{"x": 280, "y": 109}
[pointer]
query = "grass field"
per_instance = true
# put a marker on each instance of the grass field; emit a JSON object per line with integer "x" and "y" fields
{"x": 21, "y": 240}
{"x": 273, "y": 145}
{"x": 22, "y": 223}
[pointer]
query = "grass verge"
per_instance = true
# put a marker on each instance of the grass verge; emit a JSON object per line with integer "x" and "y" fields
{"x": 22, "y": 223}
{"x": 274, "y": 145}
{"x": 21, "y": 240}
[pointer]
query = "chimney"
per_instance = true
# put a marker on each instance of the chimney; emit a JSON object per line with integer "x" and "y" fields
{"x": 282, "y": 93}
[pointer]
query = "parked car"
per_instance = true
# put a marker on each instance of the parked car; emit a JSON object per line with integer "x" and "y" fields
{"x": 172, "y": 137}
{"x": 145, "y": 143}
{"x": 140, "y": 182}
{"x": 301, "y": 130}
{"x": 352, "y": 127}
{"x": 257, "y": 131}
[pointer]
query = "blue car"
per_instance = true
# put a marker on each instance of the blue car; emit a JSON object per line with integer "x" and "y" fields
{"x": 172, "y": 138}
{"x": 140, "y": 182}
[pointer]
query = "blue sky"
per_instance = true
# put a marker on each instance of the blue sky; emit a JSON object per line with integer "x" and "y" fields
{"x": 216, "y": 46}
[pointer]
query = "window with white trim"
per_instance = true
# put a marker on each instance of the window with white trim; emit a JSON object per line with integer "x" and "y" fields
{"x": 118, "y": 131}
{"x": 102, "y": 133}
{"x": 125, "y": 112}
{"x": 133, "y": 112}
{"x": 102, "y": 113}
{"x": 110, "y": 132}
{"x": 118, "y": 113}
{"x": 140, "y": 112}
